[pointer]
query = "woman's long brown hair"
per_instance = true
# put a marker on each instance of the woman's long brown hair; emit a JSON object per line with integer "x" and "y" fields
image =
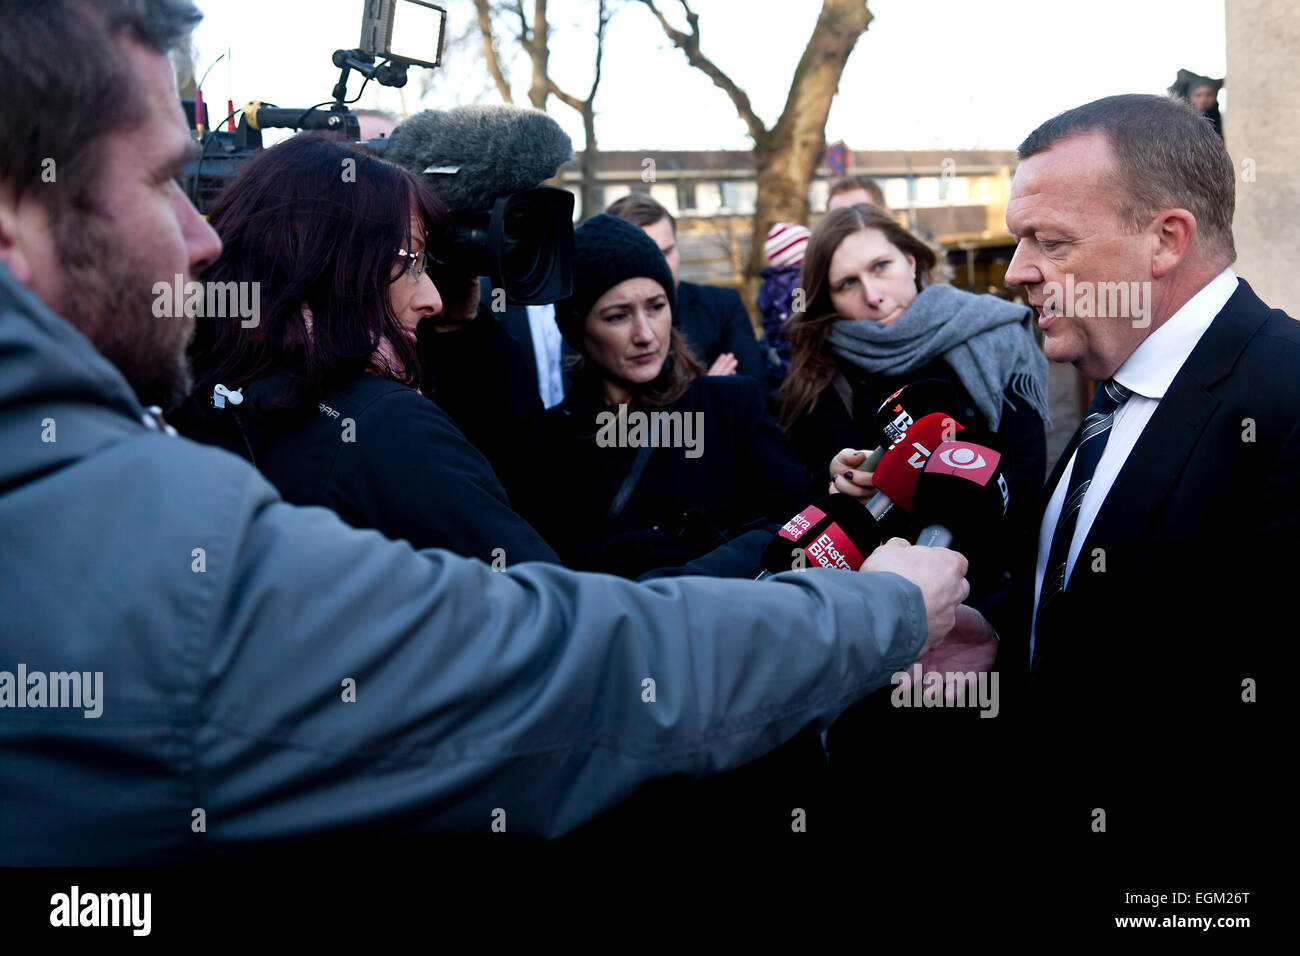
{"x": 812, "y": 367}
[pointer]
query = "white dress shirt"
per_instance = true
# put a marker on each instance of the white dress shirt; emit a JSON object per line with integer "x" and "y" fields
{"x": 546, "y": 351}
{"x": 1148, "y": 373}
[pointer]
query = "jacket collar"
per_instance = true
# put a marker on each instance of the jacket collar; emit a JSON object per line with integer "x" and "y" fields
{"x": 1150, "y": 370}
{"x": 1171, "y": 435}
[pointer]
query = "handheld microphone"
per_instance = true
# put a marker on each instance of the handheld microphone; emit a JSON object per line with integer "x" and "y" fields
{"x": 896, "y": 475}
{"x": 961, "y": 496}
{"x": 832, "y": 532}
{"x": 900, "y": 411}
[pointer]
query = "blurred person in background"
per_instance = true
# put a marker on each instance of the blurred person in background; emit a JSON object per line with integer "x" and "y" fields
{"x": 785, "y": 245}
{"x": 711, "y": 319}
{"x": 1205, "y": 97}
{"x": 857, "y": 191}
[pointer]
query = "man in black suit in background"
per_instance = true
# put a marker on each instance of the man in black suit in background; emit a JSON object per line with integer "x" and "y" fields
{"x": 712, "y": 319}
{"x": 1154, "y": 604}
{"x": 533, "y": 328}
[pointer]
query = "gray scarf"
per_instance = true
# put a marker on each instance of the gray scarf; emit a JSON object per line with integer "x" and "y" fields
{"x": 986, "y": 341}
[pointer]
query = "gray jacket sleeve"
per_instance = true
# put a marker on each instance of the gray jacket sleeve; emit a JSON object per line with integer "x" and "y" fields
{"x": 524, "y": 692}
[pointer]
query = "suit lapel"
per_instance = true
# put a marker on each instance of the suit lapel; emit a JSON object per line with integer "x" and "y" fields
{"x": 1151, "y": 469}
{"x": 1170, "y": 437}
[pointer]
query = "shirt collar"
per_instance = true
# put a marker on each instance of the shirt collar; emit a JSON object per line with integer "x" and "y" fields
{"x": 1151, "y": 368}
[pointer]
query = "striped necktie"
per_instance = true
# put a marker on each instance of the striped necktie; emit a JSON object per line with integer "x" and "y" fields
{"x": 1092, "y": 441}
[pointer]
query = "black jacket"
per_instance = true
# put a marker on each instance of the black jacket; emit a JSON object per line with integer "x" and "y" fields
{"x": 478, "y": 375}
{"x": 1179, "y": 596}
{"x": 381, "y": 455}
{"x": 713, "y": 320}
{"x": 745, "y": 476}
{"x": 514, "y": 319}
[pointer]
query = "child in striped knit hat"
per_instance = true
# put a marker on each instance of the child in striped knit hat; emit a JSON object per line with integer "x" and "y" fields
{"x": 785, "y": 245}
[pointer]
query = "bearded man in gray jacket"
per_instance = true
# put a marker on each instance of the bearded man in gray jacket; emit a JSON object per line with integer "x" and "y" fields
{"x": 188, "y": 663}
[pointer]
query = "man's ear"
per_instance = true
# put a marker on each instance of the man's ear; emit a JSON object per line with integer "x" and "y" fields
{"x": 11, "y": 250}
{"x": 1175, "y": 231}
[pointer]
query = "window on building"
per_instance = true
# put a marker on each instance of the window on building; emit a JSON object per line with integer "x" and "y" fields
{"x": 730, "y": 197}
{"x": 686, "y": 197}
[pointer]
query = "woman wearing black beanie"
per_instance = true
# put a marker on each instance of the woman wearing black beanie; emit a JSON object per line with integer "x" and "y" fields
{"x": 652, "y": 463}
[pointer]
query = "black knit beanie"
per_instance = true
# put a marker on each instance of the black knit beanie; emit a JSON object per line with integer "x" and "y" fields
{"x": 607, "y": 251}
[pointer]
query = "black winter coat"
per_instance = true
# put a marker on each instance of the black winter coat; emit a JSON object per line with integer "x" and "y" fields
{"x": 746, "y": 476}
{"x": 713, "y": 320}
{"x": 379, "y": 454}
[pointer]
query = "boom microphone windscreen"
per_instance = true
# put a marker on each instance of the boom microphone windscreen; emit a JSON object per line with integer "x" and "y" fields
{"x": 473, "y": 154}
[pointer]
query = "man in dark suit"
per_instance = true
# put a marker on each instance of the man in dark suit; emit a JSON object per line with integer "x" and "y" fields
{"x": 1152, "y": 604}
{"x": 533, "y": 328}
{"x": 712, "y": 319}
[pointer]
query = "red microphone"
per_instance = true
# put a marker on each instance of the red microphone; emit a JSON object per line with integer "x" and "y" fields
{"x": 896, "y": 475}
{"x": 832, "y": 532}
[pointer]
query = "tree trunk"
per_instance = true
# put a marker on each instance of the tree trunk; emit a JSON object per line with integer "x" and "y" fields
{"x": 490, "y": 54}
{"x": 786, "y": 155}
{"x": 788, "y": 159}
{"x": 540, "y": 53}
{"x": 590, "y": 154}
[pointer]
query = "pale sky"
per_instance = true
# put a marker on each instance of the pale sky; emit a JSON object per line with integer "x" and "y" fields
{"x": 927, "y": 74}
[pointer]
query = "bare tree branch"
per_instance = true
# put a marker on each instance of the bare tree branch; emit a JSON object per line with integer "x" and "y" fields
{"x": 490, "y": 51}
{"x": 602, "y": 23}
{"x": 568, "y": 99}
{"x": 689, "y": 43}
{"x": 539, "y": 51}
{"x": 525, "y": 38}
{"x": 787, "y": 154}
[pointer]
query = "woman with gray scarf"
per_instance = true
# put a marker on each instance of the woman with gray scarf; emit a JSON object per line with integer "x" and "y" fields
{"x": 873, "y": 324}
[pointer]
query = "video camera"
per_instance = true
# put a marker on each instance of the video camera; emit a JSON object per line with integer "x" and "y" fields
{"x": 522, "y": 238}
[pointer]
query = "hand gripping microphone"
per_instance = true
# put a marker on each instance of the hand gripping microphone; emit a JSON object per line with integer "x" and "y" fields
{"x": 901, "y": 410}
{"x": 835, "y": 531}
{"x": 961, "y": 497}
{"x": 899, "y": 468}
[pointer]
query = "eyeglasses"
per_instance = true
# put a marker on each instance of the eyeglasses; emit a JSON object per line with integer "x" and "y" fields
{"x": 419, "y": 262}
